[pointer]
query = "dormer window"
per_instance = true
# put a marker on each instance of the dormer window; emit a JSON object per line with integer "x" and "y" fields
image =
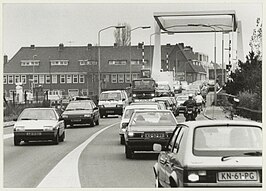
{"x": 59, "y": 62}
{"x": 30, "y": 62}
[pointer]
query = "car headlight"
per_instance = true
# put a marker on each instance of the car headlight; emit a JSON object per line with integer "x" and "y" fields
{"x": 64, "y": 116}
{"x": 19, "y": 128}
{"x": 48, "y": 128}
{"x": 101, "y": 106}
{"x": 87, "y": 115}
{"x": 130, "y": 134}
{"x": 152, "y": 95}
{"x": 134, "y": 95}
{"x": 119, "y": 105}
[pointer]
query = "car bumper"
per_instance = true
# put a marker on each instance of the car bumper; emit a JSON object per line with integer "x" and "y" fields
{"x": 145, "y": 145}
{"x": 43, "y": 135}
{"x": 111, "y": 111}
{"x": 228, "y": 184}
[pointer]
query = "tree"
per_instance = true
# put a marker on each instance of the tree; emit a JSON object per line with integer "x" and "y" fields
{"x": 256, "y": 39}
{"x": 122, "y": 36}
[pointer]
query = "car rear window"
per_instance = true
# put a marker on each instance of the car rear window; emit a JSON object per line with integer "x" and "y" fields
{"x": 221, "y": 140}
{"x": 82, "y": 105}
{"x": 110, "y": 96}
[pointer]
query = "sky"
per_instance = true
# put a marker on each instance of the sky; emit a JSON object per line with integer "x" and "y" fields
{"x": 78, "y": 24}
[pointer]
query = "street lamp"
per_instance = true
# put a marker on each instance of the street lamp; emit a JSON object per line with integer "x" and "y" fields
{"x": 212, "y": 27}
{"x": 99, "y": 55}
{"x": 140, "y": 27}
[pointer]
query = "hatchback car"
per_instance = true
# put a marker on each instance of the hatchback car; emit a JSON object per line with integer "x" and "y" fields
{"x": 81, "y": 112}
{"x": 35, "y": 124}
{"x": 127, "y": 114}
{"x": 146, "y": 128}
{"x": 211, "y": 154}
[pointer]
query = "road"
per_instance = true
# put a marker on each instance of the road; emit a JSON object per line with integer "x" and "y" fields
{"x": 89, "y": 158}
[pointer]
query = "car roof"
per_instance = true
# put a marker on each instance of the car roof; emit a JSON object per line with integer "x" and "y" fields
{"x": 113, "y": 91}
{"x": 161, "y": 111}
{"x": 194, "y": 124}
{"x": 140, "y": 106}
{"x": 144, "y": 103}
{"x": 40, "y": 108}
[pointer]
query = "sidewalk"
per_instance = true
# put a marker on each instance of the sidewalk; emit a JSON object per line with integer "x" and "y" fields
{"x": 8, "y": 124}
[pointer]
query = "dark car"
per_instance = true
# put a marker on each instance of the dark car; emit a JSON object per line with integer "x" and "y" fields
{"x": 81, "y": 112}
{"x": 147, "y": 127}
{"x": 211, "y": 154}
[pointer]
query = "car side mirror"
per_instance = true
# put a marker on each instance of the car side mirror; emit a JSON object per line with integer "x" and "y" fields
{"x": 157, "y": 147}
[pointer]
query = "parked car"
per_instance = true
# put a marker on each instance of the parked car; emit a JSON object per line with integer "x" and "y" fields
{"x": 146, "y": 128}
{"x": 34, "y": 124}
{"x": 180, "y": 101}
{"x": 211, "y": 154}
{"x": 127, "y": 114}
{"x": 81, "y": 112}
{"x": 112, "y": 102}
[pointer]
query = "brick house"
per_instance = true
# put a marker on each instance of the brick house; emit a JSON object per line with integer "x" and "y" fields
{"x": 73, "y": 70}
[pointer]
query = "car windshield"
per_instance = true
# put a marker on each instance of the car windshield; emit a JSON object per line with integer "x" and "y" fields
{"x": 79, "y": 106}
{"x": 222, "y": 140}
{"x": 37, "y": 114}
{"x": 129, "y": 112}
{"x": 163, "y": 87}
{"x": 153, "y": 118}
{"x": 109, "y": 96}
{"x": 143, "y": 83}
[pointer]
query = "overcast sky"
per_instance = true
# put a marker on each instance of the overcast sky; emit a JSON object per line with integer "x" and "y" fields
{"x": 78, "y": 24}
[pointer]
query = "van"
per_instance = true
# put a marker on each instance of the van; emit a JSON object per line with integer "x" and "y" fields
{"x": 112, "y": 102}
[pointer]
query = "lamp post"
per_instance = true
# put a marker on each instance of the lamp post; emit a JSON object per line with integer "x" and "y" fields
{"x": 140, "y": 27}
{"x": 33, "y": 71}
{"x": 99, "y": 55}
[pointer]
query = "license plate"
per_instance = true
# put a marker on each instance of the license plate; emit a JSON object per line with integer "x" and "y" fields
{"x": 33, "y": 134}
{"x": 154, "y": 135}
{"x": 109, "y": 111}
{"x": 75, "y": 120}
{"x": 237, "y": 176}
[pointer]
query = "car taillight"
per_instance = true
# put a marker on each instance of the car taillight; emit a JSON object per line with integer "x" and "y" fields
{"x": 135, "y": 135}
{"x": 200, "y": 176}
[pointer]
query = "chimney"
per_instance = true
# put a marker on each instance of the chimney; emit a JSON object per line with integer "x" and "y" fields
{"x": 61, "y": 46}
{"x": 32, "y": 46}
{"x": 168, "y": 44}
{"x": 89, "y": 46}
{"x": 115, "y": 45}
{"x": 181, "y": 45}
{"x": 189, "y": 47}
{"x": 5, "y": 59}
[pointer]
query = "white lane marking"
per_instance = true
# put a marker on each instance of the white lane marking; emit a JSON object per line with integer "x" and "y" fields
{"x": 65, "y": 174}
{"x": 8, "y": 136}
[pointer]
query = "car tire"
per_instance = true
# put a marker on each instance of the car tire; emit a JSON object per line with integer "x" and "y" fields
{"x": 92, "y": 123}
{"x": 129, "y": 152}
{"x": 122, "y": 139}
{"x": 62, "y": 137}
{"x": 157, "y": 182}
{"x": 65, "y": 124}
{"x": 101, "y": 116}
{"x": 56, "y": 139}
{"x": 16, "y": 141}
{"x": 106, "y": 116}
{"x": 97, "y": 122}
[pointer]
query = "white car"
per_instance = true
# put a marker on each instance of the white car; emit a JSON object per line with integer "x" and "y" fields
{"x": 127, "y": 114}
{"x": 35, "y": 124}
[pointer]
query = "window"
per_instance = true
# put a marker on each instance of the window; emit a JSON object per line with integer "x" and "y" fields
{"x": 10, "y": 79}
{"x": 35, "y": 79}
{"x": 134, "y": 76}
{"x": 59, "y": 62}
{"x": 5, "y": 79}
{"x": 62, "y": 79}
{"x": 127, "y": 78}
{"x": 41, "y": 79}
{"x": 48, "y": 80}
{"x": 75, "y": 78}
{"x": 17, "y": 79}
{"x": 114, "y": 78}
{"x": 120, "y": 78}
{"x": 54, "y": 79}
{"x": 172, "y": 141}
{"x": 87, "y": 62}
{"x": 117, "y": 62}
{"x": 69, "y": 78}
{"x": 84, "y": 92}
{"x": 106, "y": 77}
{"x": 30, "y": 62}
{"x": 138, "y": 62}
{"x": 81, "y": 78}
{"x": 23, "y": 79}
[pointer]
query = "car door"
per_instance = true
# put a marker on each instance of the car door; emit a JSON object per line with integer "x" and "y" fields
{"x": 95, "y": 111}
{"x": 163, "y": 157}
{"x": 172, "y": 162}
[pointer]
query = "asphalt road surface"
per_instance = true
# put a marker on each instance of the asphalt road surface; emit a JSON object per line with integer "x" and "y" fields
{"x": 90, "y": 157}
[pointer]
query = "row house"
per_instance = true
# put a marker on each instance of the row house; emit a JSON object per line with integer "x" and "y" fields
{"x": 74, "y": 70}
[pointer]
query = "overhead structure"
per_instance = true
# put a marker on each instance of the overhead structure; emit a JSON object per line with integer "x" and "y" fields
{"x": 191, "y": 22}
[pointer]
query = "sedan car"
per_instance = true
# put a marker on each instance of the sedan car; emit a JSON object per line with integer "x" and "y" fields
{"x": 146, "y": 128}
{"x": 211, "y": 154}
{"x": 81, "y": 112}
{"x": 38, "y": 124}
{"x": 180, "y": 101}
{"x": 127, "y": 114}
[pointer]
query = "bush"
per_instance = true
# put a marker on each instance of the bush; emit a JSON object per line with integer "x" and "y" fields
{"x": 250, "y": 100}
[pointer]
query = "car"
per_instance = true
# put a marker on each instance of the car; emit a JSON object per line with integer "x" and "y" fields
{"x": 146, "y": 128}
{"x": 163, "y": 89}
{"x": 217, "y": 153}
{"x": 180, "y": 101}
{"x": 144, "y": 103}
{"x": 168, "y": 102}
{"x": 81, "y": 112}
{"x": 112, "y": 102}
{"x": 34, "y": 124}
{"x": 127, "y": 114}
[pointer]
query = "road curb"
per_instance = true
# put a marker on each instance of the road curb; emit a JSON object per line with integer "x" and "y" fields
{"x": 9, "y": 124}
{"x": 206, "y": 116}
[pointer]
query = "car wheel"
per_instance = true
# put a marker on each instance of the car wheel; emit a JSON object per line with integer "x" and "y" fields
{"x": 16, "y": 141}
{"x": 122, "y": 139}
{"x": 106, "y": 116}
{"x": 56, "y": 139}
{"x": 129, "y": 152}
{"x": 92, "y": 123}
{"x": 101, "y": 116}
{"x": 97, "y": 122}
{"x": 65, "y": 124}
{"x": 62, "y": 137}
{"x": 157, "y": 182}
